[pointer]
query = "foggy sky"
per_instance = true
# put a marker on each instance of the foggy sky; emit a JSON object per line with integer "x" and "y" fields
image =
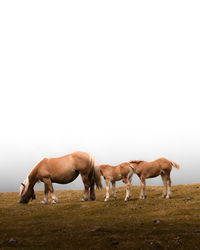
{"x": 118, "y": 79}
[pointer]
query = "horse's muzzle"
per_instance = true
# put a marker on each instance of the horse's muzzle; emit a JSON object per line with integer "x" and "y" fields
{"x": 23, "y": 201}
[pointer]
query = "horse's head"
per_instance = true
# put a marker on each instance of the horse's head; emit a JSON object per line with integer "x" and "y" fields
{"x": 26, "y": 193}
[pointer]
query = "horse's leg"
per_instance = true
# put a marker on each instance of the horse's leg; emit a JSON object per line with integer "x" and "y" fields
{"x": 92, "y": 192}
{"x": 143, "y": 188}
{"x": 168, "y": 187}
{"x": 130, "y": 182}
{"x": 127, "y": 182}
{"x": 165, "y": 185}
{"x": 92, "y": 183}
{"x": 114, "y": 190}
{"x": 86, "y": 183}
{"x": 107, "y": 189}
{"x": 48, "y": 182}
{"x": 46, "y": 191}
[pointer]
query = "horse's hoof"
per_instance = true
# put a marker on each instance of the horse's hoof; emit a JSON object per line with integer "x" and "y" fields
{"x": 163, "y": 196}
{"x": 83, "y": 199}
{"x": 44, "y": 202}
{"x": 168, "y": 197}
{"x": 106, "y": 200}
{"x": 53, "y": 202}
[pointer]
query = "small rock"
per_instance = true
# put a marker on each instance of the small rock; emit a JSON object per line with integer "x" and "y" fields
{"x": 197, "y": 231}
{"x": 12, "y": 241}
{"x": 188, "y": 199}
{"x": 85, "y": 206}
{"x": 95, "y": 229}
{"x": 156, "y": 221}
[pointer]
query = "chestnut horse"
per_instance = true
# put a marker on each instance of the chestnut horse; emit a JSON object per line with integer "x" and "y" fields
{"x": 112, "y": 174}
{"x": 62, "y": 170}
{"x": 152, "y": 169}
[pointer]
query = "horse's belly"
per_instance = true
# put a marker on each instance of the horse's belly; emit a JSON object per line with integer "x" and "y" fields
{"x": 151, "y": 172}
{"x": 152, "y": 175}
{"x": 64, "y": 178}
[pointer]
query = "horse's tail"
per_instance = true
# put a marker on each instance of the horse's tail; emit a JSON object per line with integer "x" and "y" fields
{"x": 174, "y": 164}
{"x": 96, "y": 172}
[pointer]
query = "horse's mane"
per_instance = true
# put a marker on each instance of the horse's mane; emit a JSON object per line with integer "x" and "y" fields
{"x": 135, "y": 161}
{"x": 24, "y": 186}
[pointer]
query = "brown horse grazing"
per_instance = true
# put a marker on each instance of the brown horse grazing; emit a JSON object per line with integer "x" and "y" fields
{"x": 112, "y": 174}
{"x": 152, "y": 169}
{"x": 62, "y": 170}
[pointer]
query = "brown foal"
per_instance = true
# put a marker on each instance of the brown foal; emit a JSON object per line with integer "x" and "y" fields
{"x": 152, "y": 169}
{"x": 123, "y": 171}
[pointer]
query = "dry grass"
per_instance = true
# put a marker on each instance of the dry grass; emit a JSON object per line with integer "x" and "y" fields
{"x": 153, "y": 223}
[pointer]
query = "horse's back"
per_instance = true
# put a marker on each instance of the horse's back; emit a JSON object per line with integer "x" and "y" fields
{"x": 109, "y": 171}
{"x": 77, "y": 159}
{"x": 148, "y": 169}
{"x": 64, "y": 169}
{"x": 161, "y": 164}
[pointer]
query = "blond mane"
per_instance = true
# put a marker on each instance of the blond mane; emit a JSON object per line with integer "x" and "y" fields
{"x": 24, "y": 186}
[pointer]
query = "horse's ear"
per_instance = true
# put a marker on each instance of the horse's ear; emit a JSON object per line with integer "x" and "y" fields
{"x": 22, "y": 184}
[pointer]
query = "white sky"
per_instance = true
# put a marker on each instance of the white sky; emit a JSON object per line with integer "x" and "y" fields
{"x": 116, "y": 78}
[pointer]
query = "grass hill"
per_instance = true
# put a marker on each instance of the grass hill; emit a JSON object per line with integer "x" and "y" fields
{"x": 153, "y": 223}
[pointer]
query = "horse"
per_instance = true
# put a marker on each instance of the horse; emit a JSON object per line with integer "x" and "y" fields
{"x": 123, "y": 171}
{"x": 62, "y": 170}
{"x": 152, "y": 169}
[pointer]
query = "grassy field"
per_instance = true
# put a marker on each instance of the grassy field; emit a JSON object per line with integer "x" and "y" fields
{"x": 153, "y": 223}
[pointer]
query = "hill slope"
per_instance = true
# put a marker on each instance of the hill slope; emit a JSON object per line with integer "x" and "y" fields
{"x": 153, "y": 223}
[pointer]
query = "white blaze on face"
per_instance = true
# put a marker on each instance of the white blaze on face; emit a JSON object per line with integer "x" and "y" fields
{"x": 24, "y": 187}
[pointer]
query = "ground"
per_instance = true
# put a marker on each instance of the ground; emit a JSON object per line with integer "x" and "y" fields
{"x": 153, "y": 223}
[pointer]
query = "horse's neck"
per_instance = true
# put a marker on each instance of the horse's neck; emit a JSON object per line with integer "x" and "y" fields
{"x": 32, "y": 178}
